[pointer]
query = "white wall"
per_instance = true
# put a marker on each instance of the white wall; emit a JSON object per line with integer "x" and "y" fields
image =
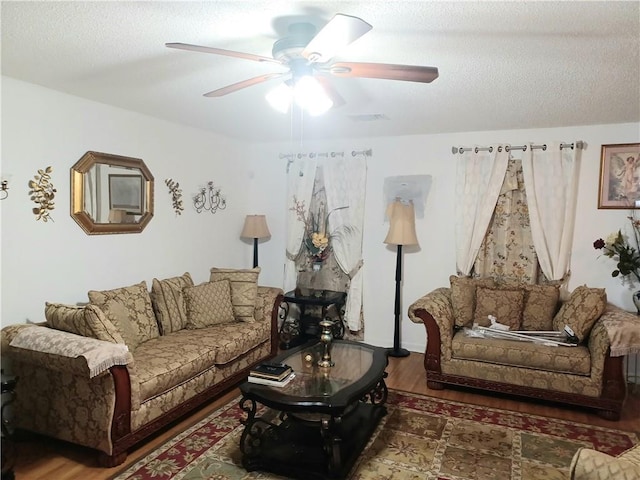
{"x": 429, "y": 266}
{"x": 57, "y": 261}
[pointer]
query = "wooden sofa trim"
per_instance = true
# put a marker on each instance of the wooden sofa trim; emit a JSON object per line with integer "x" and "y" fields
{"x": 608, "y": 405}
{"x": 123, "y": 438}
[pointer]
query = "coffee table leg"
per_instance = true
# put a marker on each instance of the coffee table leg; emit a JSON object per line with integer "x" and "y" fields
{"x": 332, "y": 443}
{"x": 378, "y": 395}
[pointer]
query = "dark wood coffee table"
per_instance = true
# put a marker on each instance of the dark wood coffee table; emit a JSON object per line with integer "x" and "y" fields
{"x": 318, "y": 424}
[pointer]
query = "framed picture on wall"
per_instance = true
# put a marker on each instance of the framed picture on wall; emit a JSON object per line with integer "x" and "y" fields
{"x": 126, "y": 193}
{"x": 620, "y": 176}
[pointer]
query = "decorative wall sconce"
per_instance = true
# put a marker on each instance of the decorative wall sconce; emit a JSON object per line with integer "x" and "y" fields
{"x": 176, "y": 195}
{"x": 42, "y": 193}
{"x": 255, "y": 226}
{"x": 4, "y": 188}
{"x": 209, "y": 198}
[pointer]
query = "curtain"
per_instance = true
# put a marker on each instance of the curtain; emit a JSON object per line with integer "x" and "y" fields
{"x": 551, "y": 183}
{"x": 507, "y": 251}
{"x": 345, "y": 185}
{"x": 478, "y": 181}
{"x": 301, "y": 175}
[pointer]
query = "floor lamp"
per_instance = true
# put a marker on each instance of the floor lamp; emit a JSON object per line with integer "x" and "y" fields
{"x": 402, "y": 231}
{"x": 255, "y": 226}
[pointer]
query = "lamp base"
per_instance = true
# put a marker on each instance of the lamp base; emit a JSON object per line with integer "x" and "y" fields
{"x": 399, "y": 352}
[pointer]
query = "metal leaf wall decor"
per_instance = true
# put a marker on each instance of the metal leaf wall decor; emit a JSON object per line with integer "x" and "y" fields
{"x": 176, "y": 195}
{"x": 42, "y": 193}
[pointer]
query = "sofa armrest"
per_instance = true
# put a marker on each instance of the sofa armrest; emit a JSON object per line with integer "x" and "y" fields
{"x": 434, "y": 310}
{"x": 66, "y": 352}
{"x": 588, "y": 464}
{"x": 437, "y": 305}
{"x": 57, "y": 389}
{"x": 272, "y": 298}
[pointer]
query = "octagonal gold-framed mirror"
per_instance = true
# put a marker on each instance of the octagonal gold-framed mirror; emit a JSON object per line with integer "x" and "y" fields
{"x": 111, "y": 194}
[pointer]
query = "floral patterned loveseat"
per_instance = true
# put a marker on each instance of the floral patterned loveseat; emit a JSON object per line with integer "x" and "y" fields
{"x": 585, "y": 375}
{"x": 110, "y": 373}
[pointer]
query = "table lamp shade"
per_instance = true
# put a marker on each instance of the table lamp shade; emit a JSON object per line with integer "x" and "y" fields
{"x": 255, "y": 226}
{"x": 402, "y": 224}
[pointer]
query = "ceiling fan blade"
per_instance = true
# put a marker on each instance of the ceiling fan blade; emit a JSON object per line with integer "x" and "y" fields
{"x": 341, "y": 31}
{"x": 220, "y": 51}
{"x": 388, "y": 71}
{"x": 234, "y": 87}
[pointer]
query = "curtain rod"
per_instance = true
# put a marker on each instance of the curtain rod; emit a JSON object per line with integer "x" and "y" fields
{"x": 579, "y": 145}
{"x": 354, "y": 153}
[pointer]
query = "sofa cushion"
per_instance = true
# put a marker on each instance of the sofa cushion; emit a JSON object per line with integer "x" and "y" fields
{"x": 581, "y": 310}
{"x": 138, "y": 302}
{"x": 168, "y": 302}
{"x": 118, "y": 314}
{"x": 168, "y": 361}
{"x": 463, "y": 297}
{"x": 573, "y": 360}
{"x": 504, "y": 304}
{"x": 208, "y": 304}
{"x": 244, "y": 290}
{"x": 540, "y": 305}
{"x": 88, "y": 321}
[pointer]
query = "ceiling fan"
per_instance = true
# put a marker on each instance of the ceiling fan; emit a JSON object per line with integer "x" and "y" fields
{"x": 307, "y": 53}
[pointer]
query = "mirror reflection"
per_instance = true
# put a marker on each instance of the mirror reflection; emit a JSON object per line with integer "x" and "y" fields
{"x": 111, "y": 193}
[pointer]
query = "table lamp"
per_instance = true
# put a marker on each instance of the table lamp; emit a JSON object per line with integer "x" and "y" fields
{"x": 402, "y": 231}
{"x": 255, "y": 226}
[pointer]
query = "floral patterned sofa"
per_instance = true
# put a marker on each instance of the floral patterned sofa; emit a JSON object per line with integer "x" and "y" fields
{"x": 588, "y": 464}
{"x": 110, "y": 373}
{"x": 585, "y": 375}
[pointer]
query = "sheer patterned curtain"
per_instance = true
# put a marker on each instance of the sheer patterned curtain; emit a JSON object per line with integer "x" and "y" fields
{"x": 345, "y": 184}
{"x": 478, "y": 182}
{"x": 507, "y": 251}
{"x": 300, "y": 178}
{"x": 551, "y": 183}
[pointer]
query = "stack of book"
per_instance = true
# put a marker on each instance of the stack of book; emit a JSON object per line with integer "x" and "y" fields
{"x": 272, "y": 374}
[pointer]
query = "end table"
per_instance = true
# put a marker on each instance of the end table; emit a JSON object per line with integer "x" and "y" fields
{"x": 294, "y": 332}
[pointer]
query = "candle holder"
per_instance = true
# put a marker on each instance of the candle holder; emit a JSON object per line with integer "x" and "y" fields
{"x": 326, "y": 337}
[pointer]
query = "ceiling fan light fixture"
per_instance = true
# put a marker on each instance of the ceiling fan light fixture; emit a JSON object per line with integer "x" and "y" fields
{"x": 280, "y": 98}
{"x": 309, "y": 94}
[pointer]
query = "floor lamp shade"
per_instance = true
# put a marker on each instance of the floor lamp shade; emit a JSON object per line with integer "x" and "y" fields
{"x": 402, "y": 231}
{"x": 255, "y": 226}
{"x": 402, "y": 224}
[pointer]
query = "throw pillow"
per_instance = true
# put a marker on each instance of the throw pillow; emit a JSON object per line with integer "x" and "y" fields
{"x": 118, "y": 314}
{"x": 208, "y": 304}
{"x": 244, "y": 290}
{"x": 504, "y": 304}
{"x": 581, "y": 310}
{"x": 168, "y": 302}
{"x": 87, "y": 321}
{"x": 138, "y": 302}
{"x": 463, "y": 297}
{"x": 540, "y": 305}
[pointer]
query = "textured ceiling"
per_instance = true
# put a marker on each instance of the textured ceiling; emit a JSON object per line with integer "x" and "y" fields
{"x": 502, "y": 65}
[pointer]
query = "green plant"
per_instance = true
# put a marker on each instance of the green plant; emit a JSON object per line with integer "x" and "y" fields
{"x": 618, "y": 247}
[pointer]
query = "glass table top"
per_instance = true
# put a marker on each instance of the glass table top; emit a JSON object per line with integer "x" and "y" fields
{"x": 357, "y": 368}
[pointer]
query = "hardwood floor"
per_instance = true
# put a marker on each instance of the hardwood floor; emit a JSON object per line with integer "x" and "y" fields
{"x": 46, "y": 459}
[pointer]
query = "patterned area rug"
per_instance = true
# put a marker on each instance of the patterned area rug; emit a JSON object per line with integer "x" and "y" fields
{"x": 420, "y": 438}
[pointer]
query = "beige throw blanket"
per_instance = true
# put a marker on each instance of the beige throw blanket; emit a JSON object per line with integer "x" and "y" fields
{"x": 98, "y": 354}
{"x": 624, "y": 331}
